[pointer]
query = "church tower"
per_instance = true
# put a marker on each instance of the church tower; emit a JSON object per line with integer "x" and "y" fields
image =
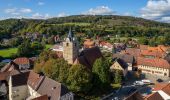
{"x": 70, "y": 48}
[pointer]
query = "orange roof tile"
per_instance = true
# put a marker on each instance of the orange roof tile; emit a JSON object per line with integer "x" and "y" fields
{"x": 22, "y": 60}
{"x": 154, "y": 62}
{"x": 159, "y": 86}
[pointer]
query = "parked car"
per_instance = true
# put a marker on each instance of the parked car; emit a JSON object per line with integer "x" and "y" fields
{"x": 159, "y": 80}
{"x": 138, "y": 83}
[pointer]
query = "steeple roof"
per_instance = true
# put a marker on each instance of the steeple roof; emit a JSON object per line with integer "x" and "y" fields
{"x": 70, "y": 35}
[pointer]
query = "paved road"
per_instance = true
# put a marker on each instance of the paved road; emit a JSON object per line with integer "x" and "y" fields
{"x": 121, "y": 93}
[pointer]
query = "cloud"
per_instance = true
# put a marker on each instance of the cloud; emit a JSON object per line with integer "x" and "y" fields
{"x": 16, "y": 11}
{"x": 100, "y": 10}
{"x": 10, "y": 10}
{"x": 41, "y": 3}
{"x": 62, "y": 14}
{"x": 157, "y": 10}
{"x": 40, "y": 16}
{"x": 25, "y": 10}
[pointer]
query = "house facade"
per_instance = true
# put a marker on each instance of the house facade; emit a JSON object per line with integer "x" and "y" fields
{"x": 159, "y": 67}
{"x": 120, "y": 65}
{"x": 29, "y": 85}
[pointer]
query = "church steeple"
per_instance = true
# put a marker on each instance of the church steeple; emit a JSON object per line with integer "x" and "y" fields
{"x": 70, "y": 48}
{"x": 70, "y": 35}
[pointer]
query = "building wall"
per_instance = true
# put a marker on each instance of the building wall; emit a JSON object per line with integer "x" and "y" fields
{"x": 19, "y": 92}
{"x": 154, "y": 70}
{"x": 10, "y": 88}
{"x": 68, "y": 96}
{"x": 129, "y": 66}
{"x": 32, "y": 92}
{"x": 117, "y": 66}
{"x": 24, "y": 66}
{"x": 70, "y": 50}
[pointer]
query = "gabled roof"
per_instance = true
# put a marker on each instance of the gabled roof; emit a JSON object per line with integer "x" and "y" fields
{"x": 162, "y": 91}
{"x": 52, "y": 88}
{"x": 44, "y": 97}
{"x": 135, "y": 96}
{"x": 122, "y": 63}
{"x": 166, "y": 89}
{"x": 154, "y": 96}
{"x": 9, "y": 67}
{"x": 41, "y": 84}
{"x": 22, "y": 60}
{"x": 125, "y": 57}
{"x": 133, "y": 51}
{"x": 153, "y": 62}
{"x": 88, "y": 56}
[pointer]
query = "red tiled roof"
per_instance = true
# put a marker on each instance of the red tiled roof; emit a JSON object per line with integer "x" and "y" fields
{"x": 135, "y": 96}
{"x": 133, "y": 51}
{"x": 22, "y": 60}
{"x": 154, "y": 96}
{"x": 152, "y": 53}
{"x": 4, "y": 75}
{"x": 105, "y": 43}
{"x": 154, "y": 62}
{"x": 44, "y": 97}
{"x": 166, "y": 89}
{"x": 143, "y": 47}
{"x": 159, "y": 86}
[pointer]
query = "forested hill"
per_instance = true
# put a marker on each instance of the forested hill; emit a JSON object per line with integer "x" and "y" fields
{"x": 108, "y": 24}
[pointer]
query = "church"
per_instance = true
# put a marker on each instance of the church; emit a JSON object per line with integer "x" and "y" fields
{"x": 69, "y": 50}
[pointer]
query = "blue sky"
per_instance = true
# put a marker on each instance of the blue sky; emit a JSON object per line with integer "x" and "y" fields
{"x": 149, "y": 9}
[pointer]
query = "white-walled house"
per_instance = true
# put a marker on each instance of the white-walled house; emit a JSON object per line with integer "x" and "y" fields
{"x": 154, "y": 66}
{"x": 30, "y": 85}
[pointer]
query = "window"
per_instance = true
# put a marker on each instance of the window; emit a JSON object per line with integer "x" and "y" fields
{"x": 75, "y": 44}
{"x": 67, "y": 44}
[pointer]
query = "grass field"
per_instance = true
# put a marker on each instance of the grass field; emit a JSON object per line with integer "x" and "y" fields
{"x": 6, "y": 53}
{"x": 48, "y": 46}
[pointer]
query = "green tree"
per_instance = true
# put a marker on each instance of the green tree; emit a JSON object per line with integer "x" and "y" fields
{"x": 117, "y": 77}
{"x": 24, "y": 49}
{"x": 79, "y": 79}
{"x": 100, "y": 71}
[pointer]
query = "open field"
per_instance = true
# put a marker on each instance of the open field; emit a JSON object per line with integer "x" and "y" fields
{"x": 6, "y": 53}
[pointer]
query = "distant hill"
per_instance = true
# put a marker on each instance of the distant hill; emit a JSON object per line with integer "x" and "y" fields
{"x": 82, "y": 24}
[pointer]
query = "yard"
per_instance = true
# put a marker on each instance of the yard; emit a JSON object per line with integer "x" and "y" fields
{"x": 6, "y": 53}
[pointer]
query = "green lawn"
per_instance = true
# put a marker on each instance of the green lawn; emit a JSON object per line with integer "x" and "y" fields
{"x": 6, "y": 53}
{"x": 48, "y": 46}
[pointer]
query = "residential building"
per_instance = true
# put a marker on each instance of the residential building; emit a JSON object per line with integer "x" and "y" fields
{"x": 119, "y": 64}
{"x": 161, "y": 92}
{"x": 128, "y": 59}
{"x": 30, "y": 85}
{"x": 106, "y": 46}
{"x": 154, "y": 66}
{"x": 88, "y": 43}
{"x": 23, "y": 63}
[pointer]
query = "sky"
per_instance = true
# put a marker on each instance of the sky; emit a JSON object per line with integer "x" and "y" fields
{"x": 158, "y": 10}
